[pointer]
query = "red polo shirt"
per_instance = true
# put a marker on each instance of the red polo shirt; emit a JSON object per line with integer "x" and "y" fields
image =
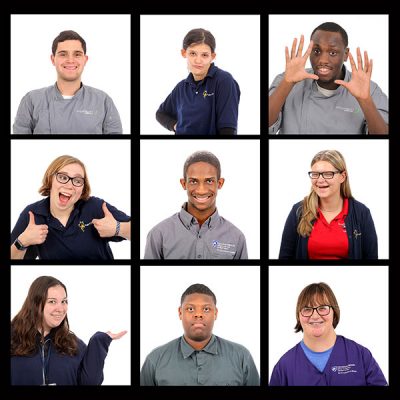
{"x": 329, "y": 241}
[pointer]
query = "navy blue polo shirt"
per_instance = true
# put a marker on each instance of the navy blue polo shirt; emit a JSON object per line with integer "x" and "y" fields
{"x": 70, "y": 241}
{"x": 204, "y": 107}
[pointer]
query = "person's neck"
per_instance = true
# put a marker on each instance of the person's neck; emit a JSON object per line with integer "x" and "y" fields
{"x": 201, "y": 216}
{"x": 319, "y": 344}
{"x": 331, "y": 205}
{"x": 67, "y": 88}
{"x": 197, "y": 345}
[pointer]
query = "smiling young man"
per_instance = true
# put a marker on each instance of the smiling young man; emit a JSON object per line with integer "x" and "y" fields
{"x": 323, "y": 358}
{"x": 199, "y": 358}
{"x": 68, "y": 106}
{"x": 197, "y": 231}
{"x": 327, "y": 98}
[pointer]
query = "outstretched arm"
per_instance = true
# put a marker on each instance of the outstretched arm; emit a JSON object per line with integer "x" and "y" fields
{"x": 359, "y": 87}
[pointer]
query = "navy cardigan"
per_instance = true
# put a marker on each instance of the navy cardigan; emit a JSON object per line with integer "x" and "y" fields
{"x": 363, "y": 242}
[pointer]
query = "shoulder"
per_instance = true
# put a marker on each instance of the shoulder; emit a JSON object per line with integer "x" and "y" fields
{"x": 357, "y": 206}
{"x": 37, "y": 206}
{"x": 96, "y": 92}
{"x": 350, "y": 344}
{"x": 166, "y": 224}
{"x": 232, "y": 347}
{"x": 229, "y": 225}
{"x": 38, "y": 93}
{"x": 159, "y": 351}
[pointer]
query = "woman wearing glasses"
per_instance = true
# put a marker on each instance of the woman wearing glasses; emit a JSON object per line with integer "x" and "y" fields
{"x": 323, "y": 358}
{"x": 68, "y": 223}
{"x": 329, "y": 223}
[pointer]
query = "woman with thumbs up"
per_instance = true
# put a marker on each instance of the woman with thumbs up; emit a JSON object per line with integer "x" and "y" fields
{"x": 68, "y": 223}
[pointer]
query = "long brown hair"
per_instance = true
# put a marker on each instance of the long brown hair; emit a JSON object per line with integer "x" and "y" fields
{"x": 309, "y": 205}
{"x": 26, "y": 324}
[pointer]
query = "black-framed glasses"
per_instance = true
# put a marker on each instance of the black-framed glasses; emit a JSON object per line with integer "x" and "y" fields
{"x": 321, "y": 310}
{"x": 325, "y": 174}
{"x": 63, "y": 178}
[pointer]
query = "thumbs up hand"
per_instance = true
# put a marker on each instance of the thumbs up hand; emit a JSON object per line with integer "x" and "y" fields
{"x": 33, "y": 234}
{"x": 105, "y": 226}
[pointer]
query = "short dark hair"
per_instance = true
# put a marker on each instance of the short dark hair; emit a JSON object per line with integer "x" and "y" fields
{"x": 200, "y": 289}
{"x": 198, "y": 36}
{"x": 332, "y": 27}
{"x": 202, "y": 156}
{"x": 67, "y": 35}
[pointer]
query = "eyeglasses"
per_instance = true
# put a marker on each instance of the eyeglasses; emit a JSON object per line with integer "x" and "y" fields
{"x": 76, "y": 181}
{"x": 321, "y": 310}
{"x": 325, "y": 174}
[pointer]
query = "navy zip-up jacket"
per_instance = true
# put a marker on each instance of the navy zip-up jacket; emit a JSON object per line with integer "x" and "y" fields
{"x": 360, "y": 228}
{"x": 85, "y": 368}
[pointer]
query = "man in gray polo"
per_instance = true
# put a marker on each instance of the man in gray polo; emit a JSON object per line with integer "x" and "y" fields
{"x": 68, "y": 106}
{"x": 327, "y": 98}
{"x": 197, "y": 231}
{"x": 199, "y": 358}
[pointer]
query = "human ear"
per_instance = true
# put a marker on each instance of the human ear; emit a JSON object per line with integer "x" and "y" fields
{"x": 213, "y": 55}
{"x": 221, "y": 182}
{"x": 183, "y": 183}
{"x": 183, "y": 52}
{"x": 180, "y": 313}
{"x": 52, "y": 59}
{"x": 346, "y": 53}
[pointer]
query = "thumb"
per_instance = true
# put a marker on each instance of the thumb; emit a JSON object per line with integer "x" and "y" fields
{"x": 31, "y": 218}
{"x": 105, "y": 210}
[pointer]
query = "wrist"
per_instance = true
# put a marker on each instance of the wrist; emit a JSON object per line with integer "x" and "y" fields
{"x": 19, "y": 245}
{"x": 117, "y": 229}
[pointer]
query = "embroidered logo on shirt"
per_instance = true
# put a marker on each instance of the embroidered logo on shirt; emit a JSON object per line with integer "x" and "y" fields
{"x": 356, "y": 233}
{"x": 87, "y": 112}
{"x": 82, "y": 225}
{"x": 224, "y": 247}
{"x": 205, "y": 94}
{"x": 344, "y": 369}
{"x": 348, "y": 109}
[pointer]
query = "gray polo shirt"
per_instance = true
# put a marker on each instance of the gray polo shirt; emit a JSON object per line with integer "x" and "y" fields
{"x": 220, "y": 363}
{"x": 45, "y": 110}
{"x": 181, "y": 237}
{"x": 306, "y": 110}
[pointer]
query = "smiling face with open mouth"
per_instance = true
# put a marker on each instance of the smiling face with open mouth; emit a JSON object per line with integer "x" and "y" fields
{"x": 327, "y": 57}
{"x": 202, "y": 185}
{"x": 63, "y": 196}
{"x": 327, "y": 188}
{"x": 55, "y": 308}
{"x": 69, "y": 60}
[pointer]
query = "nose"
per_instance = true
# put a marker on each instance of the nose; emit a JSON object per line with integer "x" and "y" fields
{"x": 324, "y": 58}
{"x": 201, "y": 188}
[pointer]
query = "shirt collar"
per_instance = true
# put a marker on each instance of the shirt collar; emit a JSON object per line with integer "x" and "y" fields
{"x": 188, "y": 219}
{"x": 76, "y": 95}
{"x": 210, "y": 74}
{"x": 42, "y": 207}
{"x": 188, "y": 350}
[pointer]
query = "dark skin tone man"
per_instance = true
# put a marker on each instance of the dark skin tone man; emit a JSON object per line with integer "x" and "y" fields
{"x": 327, "y": 53}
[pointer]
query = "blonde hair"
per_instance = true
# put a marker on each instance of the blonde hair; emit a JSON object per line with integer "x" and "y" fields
{"x": 310, "y": 203}
{"x": 57, "y": 165}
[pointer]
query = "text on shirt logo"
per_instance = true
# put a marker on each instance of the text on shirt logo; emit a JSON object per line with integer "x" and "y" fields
{"x": 344, "y": 369}
{"x": 224, "y": 247}
{"x": 205, "y": 94}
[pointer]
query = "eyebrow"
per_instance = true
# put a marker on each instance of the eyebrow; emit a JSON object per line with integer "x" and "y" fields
{"x": 66, "y": 173}
{"x": 206, "y": 304}
{"x": 54, "y": 298}
{"x": 72, "y": 51}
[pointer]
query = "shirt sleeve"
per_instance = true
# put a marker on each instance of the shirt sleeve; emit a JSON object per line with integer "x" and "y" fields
{"x": 242, "y": 249}
{"x": 251, "y": 376}
{"x": 370, "y": 239}
{"x": 153, "y": 249}
{"x": 148, "y": 374}
{"x": 227, "y": 104}
{"x": 23, "y": 221}
{"x": 112, "y": 121}
{"x": 373, "y": 374}
{"x": 274, "y": 128}
{"x": 381, "y": 102}
{"x": 23, "y": 123}
{"x": 277, "y": 376}
{"x": 92, "y": 364}
{"x": 289, "y": 237}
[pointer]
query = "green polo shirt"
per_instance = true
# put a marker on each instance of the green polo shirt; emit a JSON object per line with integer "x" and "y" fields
{"x": 220, "y": 363}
